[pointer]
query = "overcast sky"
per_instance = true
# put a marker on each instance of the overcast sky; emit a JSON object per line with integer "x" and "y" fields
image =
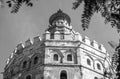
{"x": 31, "y": 22}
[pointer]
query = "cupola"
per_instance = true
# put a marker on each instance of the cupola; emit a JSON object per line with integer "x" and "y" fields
{"x": 59, "y": 18}
{"x": 59, "y": 26}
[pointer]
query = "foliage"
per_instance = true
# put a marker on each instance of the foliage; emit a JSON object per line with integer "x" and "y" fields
{"x": 109, "y": 9}
{"x": 16, "y": 4}
{"x": 1, "y": 3}
{"x": 117, "y": 61}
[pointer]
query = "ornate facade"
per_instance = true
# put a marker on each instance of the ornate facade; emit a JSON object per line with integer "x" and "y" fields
{"x": 61, "y": 53}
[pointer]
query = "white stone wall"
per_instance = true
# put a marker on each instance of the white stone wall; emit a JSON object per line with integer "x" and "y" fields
{"x": 49, "y": 54}
{"x": 92, "y": 50}
{"x": 88, "y": 74}
{"x": 54, "y": 72}
{"x": 94, "y": 60}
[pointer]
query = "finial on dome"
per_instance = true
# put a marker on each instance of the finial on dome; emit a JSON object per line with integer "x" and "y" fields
{"x": 59, "y": 11}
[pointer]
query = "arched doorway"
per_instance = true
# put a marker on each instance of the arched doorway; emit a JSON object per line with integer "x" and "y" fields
{"x": 28, "y": 77}
{"x": 63, "y": 75}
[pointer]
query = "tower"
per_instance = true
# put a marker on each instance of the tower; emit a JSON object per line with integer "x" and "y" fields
{"x": 61, "y": 48}
{"x": 59, "y": 23}
{"x": 61, "y": 53}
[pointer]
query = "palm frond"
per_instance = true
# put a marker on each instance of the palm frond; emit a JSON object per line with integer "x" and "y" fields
{"x": 77, "y": 3}
{"x": 109, "y": 9}
{"x": 15, "y": 5}
{"x": 89, "y": 10}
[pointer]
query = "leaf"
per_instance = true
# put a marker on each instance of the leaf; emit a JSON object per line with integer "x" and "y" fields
{"x": 109, "y": 9}
{"x": 30, "y": 4}
{"x": 15, "y": 5}
{"x": 9, "y": 3}
{"x": 76, "y": 4}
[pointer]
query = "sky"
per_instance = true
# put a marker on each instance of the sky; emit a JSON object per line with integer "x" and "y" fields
{"x": 30, "y": 22}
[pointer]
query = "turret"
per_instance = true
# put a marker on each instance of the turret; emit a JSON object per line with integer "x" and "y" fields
{"x": 59, "y": 18}
{"x": 59, "y": 21}
{"x": 59, "y": 27}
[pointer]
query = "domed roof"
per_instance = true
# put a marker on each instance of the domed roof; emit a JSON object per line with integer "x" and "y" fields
{"x": 59, "y": 15}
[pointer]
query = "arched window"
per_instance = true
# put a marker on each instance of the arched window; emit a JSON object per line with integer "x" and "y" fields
{"x": 63, "y": 75}
{"x": 28, "y": 77}
{"x": 24, "y": 64}
{"x": 55, "y": 57}
{"x": 98, "y": 66}
{"x": 88, "y": 62}
{"x": 69, "y": 57}
{"x": 35, "y": 60}
{"x": 95, "y": 77}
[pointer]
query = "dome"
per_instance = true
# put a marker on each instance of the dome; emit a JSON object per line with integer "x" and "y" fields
{"x": 59, "y": 15}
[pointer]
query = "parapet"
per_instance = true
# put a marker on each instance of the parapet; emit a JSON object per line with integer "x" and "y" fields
{"x": 78, "y": 36}
{"x": 7, "y": 60}
{"x": 20, "y": 46}
{"x": 11, "y": 55}
{"x": 87, "y": 41}
{"x": 47, "y": 35}
{"x": 47, "y": 32}
{"x": 57, "y": 35}
{"x": 37, "y": 39}
{"x": 57, "y": 32}
{"x": 95, "y": 44}
{"x": 28, "y": 43}
{"x": 102, "y": 48}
